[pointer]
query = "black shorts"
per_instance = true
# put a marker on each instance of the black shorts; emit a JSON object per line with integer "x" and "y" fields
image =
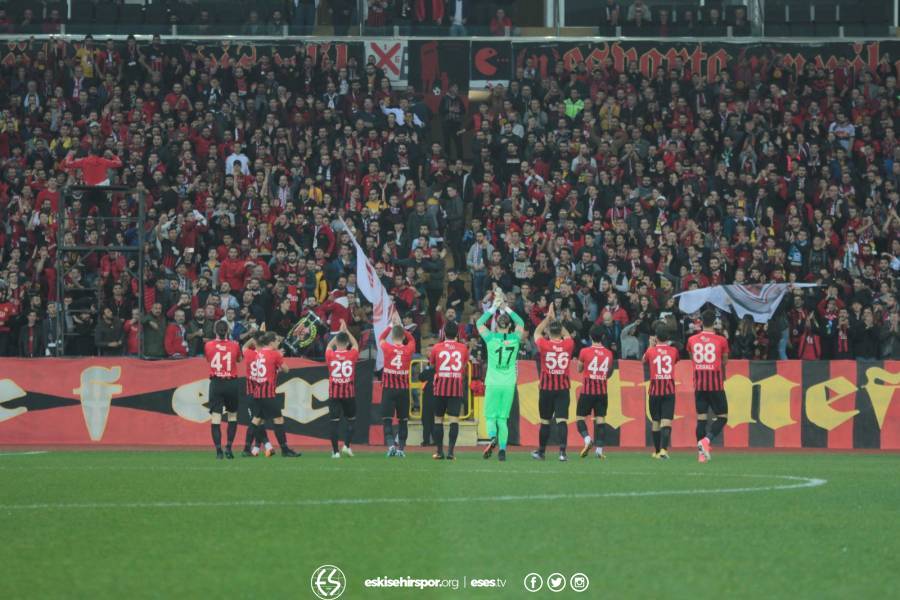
{"x": 447, "y": 405}
{"x": 223, "y": 393}
{"x": 553, "y": 404}
{"x": 393, "y": 400}
{"x": 588, "y": 403}
{"x": 711, "y": 400}
{"x": 339, "y": 406}
{"x": 266, "y": 408}
{"x": 662, "y": 407}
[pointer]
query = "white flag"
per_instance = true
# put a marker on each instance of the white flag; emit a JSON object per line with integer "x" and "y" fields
{"x": 759, "y": 301}
{"x": 371, "y": 287}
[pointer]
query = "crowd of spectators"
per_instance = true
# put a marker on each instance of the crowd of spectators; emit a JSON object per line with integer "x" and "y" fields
{"x": 603, "y": 192}
{"x": 270, "y": 17}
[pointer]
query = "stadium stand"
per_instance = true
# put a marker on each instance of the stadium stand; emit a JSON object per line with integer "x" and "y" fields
{"x": 606, "y": 192}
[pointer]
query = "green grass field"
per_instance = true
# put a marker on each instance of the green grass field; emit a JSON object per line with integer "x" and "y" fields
{"x": 183, "y": 525}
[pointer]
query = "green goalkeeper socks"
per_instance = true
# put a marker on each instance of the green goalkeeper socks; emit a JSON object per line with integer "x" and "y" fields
{"x": 504, "y": 433}
{"x": 491, "y": 428}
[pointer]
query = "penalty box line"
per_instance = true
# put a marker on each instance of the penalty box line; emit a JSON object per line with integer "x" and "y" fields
{"x": 793, "y": 483}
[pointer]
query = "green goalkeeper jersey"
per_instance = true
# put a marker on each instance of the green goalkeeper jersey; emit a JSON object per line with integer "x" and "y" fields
{"x": 502, "y": 351}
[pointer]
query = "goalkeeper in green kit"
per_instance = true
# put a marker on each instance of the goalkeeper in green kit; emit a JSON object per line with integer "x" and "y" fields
{"x": 500, "y": 381}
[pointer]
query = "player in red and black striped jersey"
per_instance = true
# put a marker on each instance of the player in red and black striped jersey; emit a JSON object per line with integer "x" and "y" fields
{"x": 223, "y": 355}
{"x": 398, "y": 350}
{"x": 595, "y": 362}
{"x": 709, "y": 353}
{"x": 450, "y": 360}
{"x": 661, "y": 359}
{"x": 264, "y": 362}
{"x": 553, "y": 398}
{"x": 341, "y": 355}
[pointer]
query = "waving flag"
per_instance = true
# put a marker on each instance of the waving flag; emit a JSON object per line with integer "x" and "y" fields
{"x": 759, "y": 301}
{"x": 372, "y": 288}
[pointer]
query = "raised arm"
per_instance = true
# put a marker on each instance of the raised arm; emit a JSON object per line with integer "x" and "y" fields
{"x": 70, "y": 162}
{"x": 539, "y": 330}
{"x": 481, "y": 323}
{"x": 515, "y": 318}
{"x": 114, "y": 162}
{"x": 395, "y": 320}
{"x": 250, "y": 344}
{"x": 353, "y": 343}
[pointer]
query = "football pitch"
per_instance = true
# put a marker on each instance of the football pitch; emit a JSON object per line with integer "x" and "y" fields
{"x": 183, "y": 525}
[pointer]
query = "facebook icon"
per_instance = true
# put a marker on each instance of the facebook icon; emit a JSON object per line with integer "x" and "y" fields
{"x": 533, "y": 582}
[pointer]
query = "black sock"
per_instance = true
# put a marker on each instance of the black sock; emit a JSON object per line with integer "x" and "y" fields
{"x": 563, "y": 430}
{"x": 404, "y": 432}
{"x": 251, "y": 435}
{"x": 599, "y": 433}
{"x": 701, "y": 429}
{"x": 262, "y": 438}
{"x": 217, "y": 435}
{"x": 717, "y": 426}
{"x": 280, "y": 436}
{"x": 232, "y": 431}
{"x": 437, "y": 436}
{"x": 543, "y": 436}
{"x": 656, "y": 440}
{"x": 335, "y": 428}
{"x": 388, "y": 432}
{"x": 348, "y": 436}
{"x": 665, "y": 437}
{"x": 454, "y": 433}
{"x": 582, "y": 427}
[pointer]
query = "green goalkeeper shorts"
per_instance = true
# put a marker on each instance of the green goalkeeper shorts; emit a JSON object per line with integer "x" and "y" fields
{"x": 498, "y": 400}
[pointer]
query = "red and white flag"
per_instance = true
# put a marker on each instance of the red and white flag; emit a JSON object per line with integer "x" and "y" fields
{"x": 374, "y": 291}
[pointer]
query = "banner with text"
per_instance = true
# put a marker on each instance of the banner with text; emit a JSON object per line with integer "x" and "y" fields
{"x": 771, "y": 404}
{"x": 706, "y": 59}
{"x": 127, "y": 401}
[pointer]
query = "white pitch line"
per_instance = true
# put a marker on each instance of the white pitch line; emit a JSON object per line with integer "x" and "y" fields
{"x": 799, "y": 483}
{"x": 30, "y": 453}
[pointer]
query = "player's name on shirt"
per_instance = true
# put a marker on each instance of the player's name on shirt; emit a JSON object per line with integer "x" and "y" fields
{"x": 342, "y": 380}
{"x": 395, "y": 371}
{"x": 706, "y": 367}
{"x": 557, "y": 371}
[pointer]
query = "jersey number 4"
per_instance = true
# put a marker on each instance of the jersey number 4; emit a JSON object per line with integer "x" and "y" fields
{"x": 397, "y": 361}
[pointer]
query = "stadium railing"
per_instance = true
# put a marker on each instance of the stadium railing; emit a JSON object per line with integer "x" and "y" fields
{"x": 684, "y": 19}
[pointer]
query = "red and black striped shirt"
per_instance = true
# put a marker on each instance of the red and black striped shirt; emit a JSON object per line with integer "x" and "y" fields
{"x": 341, "y": 372}
{"x": 597, "y": 361}
{"x": 661, "y": 358}
{"x": 450, "y": 360}
{"x": 262, "y": 372}
{"x": 708, "y": 351}
{"x": 395, "y": 375}
{"x": 555, "y": 358}
{"x": 223, "y": 357}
